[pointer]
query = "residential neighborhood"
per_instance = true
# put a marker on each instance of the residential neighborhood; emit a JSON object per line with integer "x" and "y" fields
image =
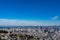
{"x": 29, "y": 34}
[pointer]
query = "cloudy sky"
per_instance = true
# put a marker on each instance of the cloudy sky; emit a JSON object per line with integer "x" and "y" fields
{"x": 30, "y": 12}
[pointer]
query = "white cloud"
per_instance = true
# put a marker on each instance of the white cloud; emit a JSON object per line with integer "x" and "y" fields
{"x": 13, "y": 22}
{"x": 55, "y": 17}
{"x": 17, "y": 22}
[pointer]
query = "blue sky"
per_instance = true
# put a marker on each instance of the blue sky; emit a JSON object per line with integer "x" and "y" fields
{"x": 32, "y": 10}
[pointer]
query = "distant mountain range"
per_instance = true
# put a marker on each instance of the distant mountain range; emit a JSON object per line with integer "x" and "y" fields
{"x": 29, "y": 26}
